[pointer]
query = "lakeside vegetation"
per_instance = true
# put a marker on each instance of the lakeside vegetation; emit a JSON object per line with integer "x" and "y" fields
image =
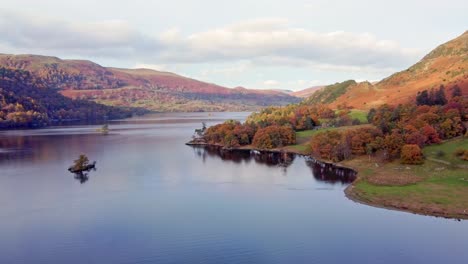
{"x": 409, "y": 156}
{"x": 392, "y": 132}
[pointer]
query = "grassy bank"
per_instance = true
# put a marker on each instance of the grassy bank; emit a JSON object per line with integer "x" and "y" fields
{"x": 438, "y": 187}
{"x": 434, "y": 188}
{"x": 444, "y": 152}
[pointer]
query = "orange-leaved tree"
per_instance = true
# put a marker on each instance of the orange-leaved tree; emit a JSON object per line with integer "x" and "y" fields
{"x": 273, "y": 137}
{"x": 411, "y": 154}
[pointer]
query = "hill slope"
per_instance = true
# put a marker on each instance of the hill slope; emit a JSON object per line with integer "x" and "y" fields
{"x": 329, "y": 93}
{"x": 26, "y": 101}
{"x": 153, "y": 90}
{"x": 446, "y": 65}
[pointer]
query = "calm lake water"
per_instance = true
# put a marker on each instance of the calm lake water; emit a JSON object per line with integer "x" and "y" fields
{"x": 153, "y": 199}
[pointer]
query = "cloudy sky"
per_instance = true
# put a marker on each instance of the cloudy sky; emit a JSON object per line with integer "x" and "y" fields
{"x": 252, "y": 43}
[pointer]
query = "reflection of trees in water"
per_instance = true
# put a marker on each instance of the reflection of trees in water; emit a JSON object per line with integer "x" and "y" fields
{"x": 274, "y": 158}
{"x": 323, "y": 172}
{"x": 82, "y": 177}
{"x": 237, "y": 156}
{"x": 217, "y": 152}
{"x": 330, "y": 173}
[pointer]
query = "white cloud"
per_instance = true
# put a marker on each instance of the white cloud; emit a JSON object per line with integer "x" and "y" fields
{"x": 156, "y": 67}
{"x": 232, "y": 70}
{"x": 103, "y": 38}
{"x": 276, "y": 39}
{"x": 304, "y": 83}
{"x": 265, "y": 41}
{"x": 271, "y": 83}
{"x": 294, "y": 85}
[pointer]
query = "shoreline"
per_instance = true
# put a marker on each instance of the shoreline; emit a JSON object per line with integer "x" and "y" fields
{"x": 350, "y": 191}
{"x": 355, "y": 197}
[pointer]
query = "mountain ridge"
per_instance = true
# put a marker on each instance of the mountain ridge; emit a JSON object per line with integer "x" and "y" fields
{"x": 445, "y": 65}
{"x": 147, "y": 88}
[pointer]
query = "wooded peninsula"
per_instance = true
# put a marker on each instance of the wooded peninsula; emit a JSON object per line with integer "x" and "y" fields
{"x": 411, "y": 157}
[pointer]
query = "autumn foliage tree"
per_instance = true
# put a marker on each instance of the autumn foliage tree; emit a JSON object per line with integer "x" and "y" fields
{"x": 362, "y": 138}
{"x": 329, "y": 145}
{"x": 230, "y": 134}
{"x": 430, "y": 135}
{"x": 274, "y": 137}
{"x": 411, "y": 154}
{"x": 299, "y": 117}
{"x": 339, "y": 145}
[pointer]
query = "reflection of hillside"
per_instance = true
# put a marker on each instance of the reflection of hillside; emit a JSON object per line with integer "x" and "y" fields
{"x": 45, "y": 148}
{"x": 331, "y": 174}
{"x": 238, "y": 156}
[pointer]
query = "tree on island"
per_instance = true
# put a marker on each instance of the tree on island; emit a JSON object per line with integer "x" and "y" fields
{"x": 81, "y": 163}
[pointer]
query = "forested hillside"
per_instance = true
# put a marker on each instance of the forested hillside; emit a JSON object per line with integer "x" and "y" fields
{"x": 27, "y": 101}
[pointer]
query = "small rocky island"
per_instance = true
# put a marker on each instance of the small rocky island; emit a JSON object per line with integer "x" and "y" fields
{"x": 198, "y": 139}
{"x": 81, "y": 165}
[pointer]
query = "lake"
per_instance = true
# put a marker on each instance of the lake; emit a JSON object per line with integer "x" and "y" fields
{"x": 153, "y": 199}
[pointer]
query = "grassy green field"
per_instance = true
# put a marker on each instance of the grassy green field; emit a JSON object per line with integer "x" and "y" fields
{"x": 360, "y": 115}
{"x": 308, "y": 134}
{"x": 431, "y": 188}
{"x": 445, "y": 151}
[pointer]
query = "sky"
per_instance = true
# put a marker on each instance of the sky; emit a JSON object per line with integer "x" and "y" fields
{"x": 262, "y": 44}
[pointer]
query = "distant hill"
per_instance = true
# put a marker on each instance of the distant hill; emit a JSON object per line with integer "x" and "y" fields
{"x": 27, "y": 102}
{"x": 307, "y": 92}
{"x": 446, "y": 65}
{"x": 150, "y": 89}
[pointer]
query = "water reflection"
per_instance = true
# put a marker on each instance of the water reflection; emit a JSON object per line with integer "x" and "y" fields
{"x": 82, "y": 177}
{"x": 153, "y": 192}
{"x": 321, "y": 171}
{"x": 43, "y": 148}
{"x": 270, "y": 159}
{"x": 330, "y": 173}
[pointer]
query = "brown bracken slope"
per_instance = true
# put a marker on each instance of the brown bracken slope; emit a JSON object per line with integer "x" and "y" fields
{"x": 446, "y": 65}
